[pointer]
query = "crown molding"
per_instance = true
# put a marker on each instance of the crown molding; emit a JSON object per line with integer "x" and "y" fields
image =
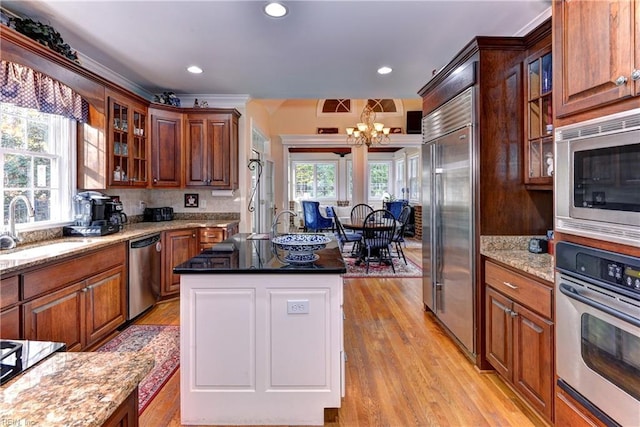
{"x": 238, "y": 101}
{"x": 337, "y": 140}
{"x": 113, "y": 77}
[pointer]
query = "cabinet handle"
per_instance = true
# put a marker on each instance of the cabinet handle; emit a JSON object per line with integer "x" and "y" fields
{"x": 635, "y": 75}
{"x": 621, "y": 81}
{"x": 155, "y": 180}
{"x": 193, "y": 235}
{"x": 513, "y": 313}
{"x": 510, "y": 285}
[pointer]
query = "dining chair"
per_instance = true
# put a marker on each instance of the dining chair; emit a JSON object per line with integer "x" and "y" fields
{"x": 395, "y": 207}
{"x": 343, "y": 236}
{"x": 359, "y": 212}
{"x": 377, "y": 236}
{"x": 398, "y": 237}
{"x": 313, "y": 219}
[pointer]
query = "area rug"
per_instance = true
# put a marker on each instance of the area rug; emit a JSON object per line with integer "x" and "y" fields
{"x": 376, "y": 270}
{"x": 161, "y": 341}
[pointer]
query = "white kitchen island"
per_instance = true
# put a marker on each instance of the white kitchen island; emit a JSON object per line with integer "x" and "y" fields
{"x": 261, "y": 341}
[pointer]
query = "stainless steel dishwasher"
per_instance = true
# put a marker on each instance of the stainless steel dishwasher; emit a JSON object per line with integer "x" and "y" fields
{"x": 144, "y": 274}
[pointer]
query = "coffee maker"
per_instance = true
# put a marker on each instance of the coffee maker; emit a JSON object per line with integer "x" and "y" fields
{"x": 114, "y": 212}
{"x": 92, "y": 215}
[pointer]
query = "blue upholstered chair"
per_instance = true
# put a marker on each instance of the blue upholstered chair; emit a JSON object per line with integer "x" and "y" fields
{"x": 395, "y": 207}
{"x": 313, "y": 220}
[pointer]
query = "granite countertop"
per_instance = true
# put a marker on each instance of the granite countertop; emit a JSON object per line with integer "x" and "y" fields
{"x": 130, "y": 231}
{"x": 512, "y": 251}
{"x": 241, "y": 254}
{"x": 72, "y": 389}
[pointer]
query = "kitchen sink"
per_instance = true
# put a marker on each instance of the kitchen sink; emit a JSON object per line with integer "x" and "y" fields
{"x": 44, "y": 250}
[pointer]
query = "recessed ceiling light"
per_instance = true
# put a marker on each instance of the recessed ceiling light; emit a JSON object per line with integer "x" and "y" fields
{"x": 384, "y": 70}
{"x": 194, "y": 69}
{"x": 275, "y": 9}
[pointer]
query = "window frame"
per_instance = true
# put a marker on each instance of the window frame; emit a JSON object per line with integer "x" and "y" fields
{"x": 390, "y": 183}
{"x": 62, "y": 138}
{"x": 315, "y": 163}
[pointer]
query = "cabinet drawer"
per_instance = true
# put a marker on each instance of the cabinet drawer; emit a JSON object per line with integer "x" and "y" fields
{"x": 73, "y": 270}
{"x": 9, "y": 291}
{"x": 212, "y": 235}
{"x": 526, "y": 291}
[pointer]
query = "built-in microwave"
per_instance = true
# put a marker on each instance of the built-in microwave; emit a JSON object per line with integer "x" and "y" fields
{"x": 597, "y": 178}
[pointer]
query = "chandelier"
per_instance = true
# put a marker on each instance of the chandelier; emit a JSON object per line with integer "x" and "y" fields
{"x": 368, "y": 131}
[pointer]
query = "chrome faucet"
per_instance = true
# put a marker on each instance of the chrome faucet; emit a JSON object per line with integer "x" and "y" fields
{"x": 274, "y": 226}
{"x": 12, "y": 216}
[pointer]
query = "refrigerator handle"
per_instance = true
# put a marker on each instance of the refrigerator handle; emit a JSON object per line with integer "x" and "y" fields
{"x": 437, "y": 247}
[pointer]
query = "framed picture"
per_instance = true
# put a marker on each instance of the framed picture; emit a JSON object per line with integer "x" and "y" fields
{"x": 395, "y": 130}
{"x": 327, "y": 130}
{"x": 190, "y": 200}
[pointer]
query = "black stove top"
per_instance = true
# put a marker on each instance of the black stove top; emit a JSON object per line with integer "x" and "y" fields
{"x": 19, "y": 355}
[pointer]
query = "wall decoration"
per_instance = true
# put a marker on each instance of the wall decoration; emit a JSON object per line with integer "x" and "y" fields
{"x": 191, "y": 200}
{"x": 327, "y": 130}
{"x": 395, "y": 130}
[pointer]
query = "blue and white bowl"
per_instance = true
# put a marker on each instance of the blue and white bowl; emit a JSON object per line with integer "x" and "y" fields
{"x": 301, "y": 243}
{"x": 304, "y": 258}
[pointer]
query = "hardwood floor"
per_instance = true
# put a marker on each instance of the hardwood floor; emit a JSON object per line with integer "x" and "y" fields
{"x": 402, "y": 368}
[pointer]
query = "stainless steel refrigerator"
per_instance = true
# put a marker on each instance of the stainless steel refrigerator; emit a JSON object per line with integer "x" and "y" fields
{"x": 448, "y": 217}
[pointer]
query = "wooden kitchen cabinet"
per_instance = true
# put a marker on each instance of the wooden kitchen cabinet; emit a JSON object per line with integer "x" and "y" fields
{"x": 166, "y": 148}
{"x": 538, "y": 151}
{"x": 211, "y": 149}
{"x": 128, "y": 150}
{"x": 519, "y": 334}
{"x": 9, "y": 308}
{"x": 209, "y": 236}
{"x": 596, "y": 55}
{"x": 177, "y": 247}
{"x": 78, "y": 301}
{"x": 125, "y": 415}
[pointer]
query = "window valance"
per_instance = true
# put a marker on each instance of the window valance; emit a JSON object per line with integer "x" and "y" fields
{"x": 27, "y": 88}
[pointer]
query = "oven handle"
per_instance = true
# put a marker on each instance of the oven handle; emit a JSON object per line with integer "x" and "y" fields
{"x": 571, "y": 292}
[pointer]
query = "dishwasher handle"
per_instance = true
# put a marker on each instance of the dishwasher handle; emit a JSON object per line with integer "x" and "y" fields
{"x": 143, "y": 243}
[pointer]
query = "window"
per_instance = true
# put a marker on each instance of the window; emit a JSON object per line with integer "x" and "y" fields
{"x": 379, "y": 179}
{"x": 314, "y": 180}
{"x": 414, "y": 179}
{"x": 38, "y": 162}
{"x": 399, "y": 190}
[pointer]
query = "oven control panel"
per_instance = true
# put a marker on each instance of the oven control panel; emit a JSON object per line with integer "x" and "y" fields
{"x": 616, "y": 270}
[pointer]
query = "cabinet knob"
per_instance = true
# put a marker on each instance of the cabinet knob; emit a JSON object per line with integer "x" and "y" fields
{"x": 155, "y": 180}
{"x": 621, "y": 81}
{"x": 635, "y": 75}
{"x": 513, "y": 313}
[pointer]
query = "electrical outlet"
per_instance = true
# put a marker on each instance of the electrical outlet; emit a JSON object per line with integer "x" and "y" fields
{"x": 298, "y": 306}
{"x": 143, "y": 205}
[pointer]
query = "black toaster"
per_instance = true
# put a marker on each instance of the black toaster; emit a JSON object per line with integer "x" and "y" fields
{"x": 158, "y": 214}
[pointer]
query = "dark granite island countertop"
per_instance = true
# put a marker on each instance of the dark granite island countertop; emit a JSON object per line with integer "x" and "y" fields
{"x": 241, "y": 254}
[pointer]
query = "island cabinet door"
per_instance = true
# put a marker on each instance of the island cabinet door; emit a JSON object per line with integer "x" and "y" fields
{"x": 59, "y": 316}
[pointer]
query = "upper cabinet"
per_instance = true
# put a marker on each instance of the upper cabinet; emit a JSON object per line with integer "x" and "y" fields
{"x": 211, "y": 149}
{"x": 596, "y": 56}
{"x": 538, "y": 151}
{"x": 166, "y": 148}
{"x": 127, "y": 147}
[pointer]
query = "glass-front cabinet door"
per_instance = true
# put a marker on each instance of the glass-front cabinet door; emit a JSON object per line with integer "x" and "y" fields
{"x": 128, "y": 152}
{"x": 539, "y": 120}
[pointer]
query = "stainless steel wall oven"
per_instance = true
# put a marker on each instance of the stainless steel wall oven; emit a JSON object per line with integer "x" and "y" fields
{"x": 598, "y": 331}
{"x": 597, "y": 178}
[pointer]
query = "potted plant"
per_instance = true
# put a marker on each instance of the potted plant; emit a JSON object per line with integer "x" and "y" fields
{"x": 45, "y": 35}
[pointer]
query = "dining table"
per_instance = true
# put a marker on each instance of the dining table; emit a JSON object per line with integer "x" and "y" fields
{"x": 358, "y": 225}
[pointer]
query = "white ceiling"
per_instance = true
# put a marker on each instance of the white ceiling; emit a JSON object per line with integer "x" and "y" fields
{"x": 321, "y": 49}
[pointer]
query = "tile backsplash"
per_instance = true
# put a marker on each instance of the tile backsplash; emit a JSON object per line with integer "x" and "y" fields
{"x": 176, "y": 199}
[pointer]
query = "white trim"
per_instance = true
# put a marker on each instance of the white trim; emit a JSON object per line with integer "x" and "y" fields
{"x": 112, "y": 76}
{"x": 535, "y": 22}
{"x": 215, "y": 101}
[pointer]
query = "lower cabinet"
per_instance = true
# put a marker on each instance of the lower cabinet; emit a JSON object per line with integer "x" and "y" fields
{"x": 125, "y": 415}
{"x": 177, "y": 247}
{"x": 570, "y": 413}
{"x": 88, "y": 302}
{"x": 212, "y": 235}
{"x": 519, "y": 334}
{"x": 9, "y": 308}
